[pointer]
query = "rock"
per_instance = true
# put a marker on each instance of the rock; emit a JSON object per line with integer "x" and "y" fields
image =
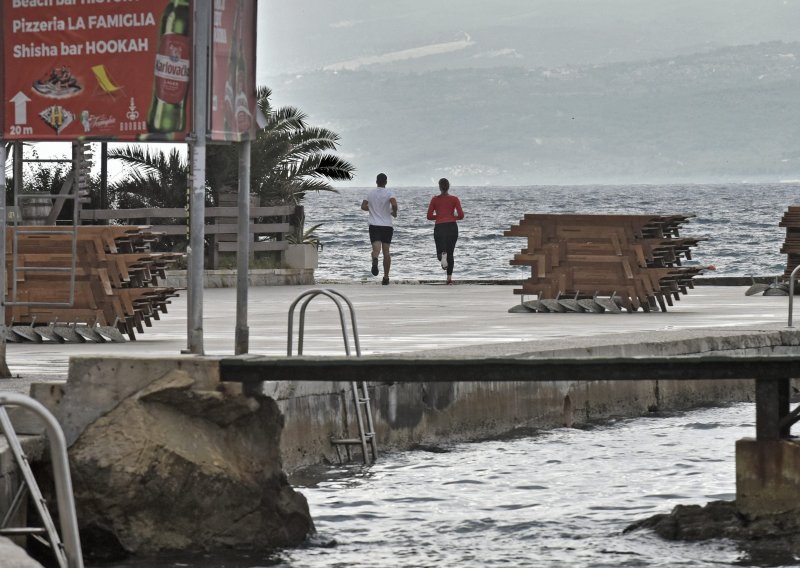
{"x": 770, "y": 539}
{"x": 718, "y": 519}
{"x": 177, "y": 467}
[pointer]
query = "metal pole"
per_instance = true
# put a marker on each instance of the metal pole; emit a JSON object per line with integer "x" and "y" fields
{"x": 243, "y": 250}
{"x": 5, "y": 372}
{"x": 791, "y": 292}
{"x": 17, "y": 165}
{"x": 197, "y": 213}
{"x": 104, "y": 177}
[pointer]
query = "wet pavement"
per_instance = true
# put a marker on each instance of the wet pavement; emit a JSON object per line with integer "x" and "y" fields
{"x": 402, "y": 318}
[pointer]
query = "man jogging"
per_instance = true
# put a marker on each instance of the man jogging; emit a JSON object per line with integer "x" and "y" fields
{"x": 382, "y": 206}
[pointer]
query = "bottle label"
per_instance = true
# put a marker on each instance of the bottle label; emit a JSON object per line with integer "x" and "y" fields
{"x": 172, "y": 68}
{"x": 243, "y": 117}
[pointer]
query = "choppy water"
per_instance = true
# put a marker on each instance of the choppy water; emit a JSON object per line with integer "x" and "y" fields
{"x": 561, "y": 498}
{"x": 738, "y": 221}
{"x": 553, "y": 499}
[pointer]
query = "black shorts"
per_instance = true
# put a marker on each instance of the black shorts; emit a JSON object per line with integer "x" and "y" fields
{"x": 380, "y": 233}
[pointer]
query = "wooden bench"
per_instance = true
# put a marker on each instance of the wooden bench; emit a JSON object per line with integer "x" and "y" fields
{"x": 221, "y": 228}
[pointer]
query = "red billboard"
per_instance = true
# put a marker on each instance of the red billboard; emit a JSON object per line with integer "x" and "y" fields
{"x": 96, "y": 70}
{"x": 233, "y": 77}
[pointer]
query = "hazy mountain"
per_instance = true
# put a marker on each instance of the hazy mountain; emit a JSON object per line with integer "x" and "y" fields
{"x": 549, "y": 91}
{"x": 308, "y": 35}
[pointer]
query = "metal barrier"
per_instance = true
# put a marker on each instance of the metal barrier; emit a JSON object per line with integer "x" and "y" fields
{"x": 71, "y": 555}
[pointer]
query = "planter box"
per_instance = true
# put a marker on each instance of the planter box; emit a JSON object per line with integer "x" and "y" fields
{"x": 301, "y": 256}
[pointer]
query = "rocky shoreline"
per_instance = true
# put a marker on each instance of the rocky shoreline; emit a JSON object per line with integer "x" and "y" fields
{"x": 767, "y": 540}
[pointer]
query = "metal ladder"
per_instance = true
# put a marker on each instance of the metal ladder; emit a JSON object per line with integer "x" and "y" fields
{"x": 68, "y": 554}
{"x": 360, "y": 390}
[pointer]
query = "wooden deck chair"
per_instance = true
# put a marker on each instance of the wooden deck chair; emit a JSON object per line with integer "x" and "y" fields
{"x": 105, "y": 82}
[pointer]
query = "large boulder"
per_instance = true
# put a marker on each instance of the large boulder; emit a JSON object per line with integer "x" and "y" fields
{"x": 176, "y": 467}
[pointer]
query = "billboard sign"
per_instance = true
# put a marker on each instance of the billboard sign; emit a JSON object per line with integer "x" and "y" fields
{"x": 233, "y": 85}
{"x": 74, "y": 70}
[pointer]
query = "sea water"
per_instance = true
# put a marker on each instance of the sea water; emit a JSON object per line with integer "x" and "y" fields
{"x": 559, "y": 498}
{"x": 739, "y": 225}
{"x": 546, "y": 499}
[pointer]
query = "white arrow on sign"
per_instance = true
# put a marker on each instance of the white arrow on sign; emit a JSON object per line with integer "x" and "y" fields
{"x": 20, "y": 101}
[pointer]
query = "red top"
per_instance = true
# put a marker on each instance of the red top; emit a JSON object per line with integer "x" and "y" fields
{"x": 445, "y": 209}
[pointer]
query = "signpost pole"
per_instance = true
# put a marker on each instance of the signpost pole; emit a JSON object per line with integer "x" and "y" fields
{"x": 5, "y": 372}
{"x": 243, "y": 250}
{"x": 197, "y": 204}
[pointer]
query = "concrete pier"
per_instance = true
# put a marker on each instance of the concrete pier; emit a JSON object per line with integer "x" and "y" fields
{"x": 434, "y": 322}
{"x": 411, "y": 318}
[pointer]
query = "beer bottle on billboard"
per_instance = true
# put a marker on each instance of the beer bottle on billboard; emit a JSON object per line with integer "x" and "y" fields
{"x": 234, "y": 46}
{"x": 244, "y": 89}
{"x": 172, "y": 70}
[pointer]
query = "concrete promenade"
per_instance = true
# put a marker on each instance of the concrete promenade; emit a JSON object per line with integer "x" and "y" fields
{"x": 403, "y": 318}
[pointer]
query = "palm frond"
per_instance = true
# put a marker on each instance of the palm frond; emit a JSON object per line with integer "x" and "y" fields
{"x": 335, "y": 168}
{"x": 289, "y": 158}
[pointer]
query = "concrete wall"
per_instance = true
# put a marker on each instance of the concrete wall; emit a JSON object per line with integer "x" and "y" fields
{"x": 406, "y": 415}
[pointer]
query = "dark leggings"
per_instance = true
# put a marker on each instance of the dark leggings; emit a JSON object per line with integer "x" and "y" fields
{"x": 445, "y": 236}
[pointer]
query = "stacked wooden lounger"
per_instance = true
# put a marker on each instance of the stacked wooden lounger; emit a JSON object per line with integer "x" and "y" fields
{"x": 633, "y": 260}
{"x": 116, "y": 282}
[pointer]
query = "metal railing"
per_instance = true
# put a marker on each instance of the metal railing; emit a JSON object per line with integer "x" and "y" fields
{"x": 63, "y": 481}
{"x": 309, "y": 295}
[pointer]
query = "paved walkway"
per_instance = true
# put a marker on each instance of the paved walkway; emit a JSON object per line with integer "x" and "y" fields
{"x": 402, "y": 318}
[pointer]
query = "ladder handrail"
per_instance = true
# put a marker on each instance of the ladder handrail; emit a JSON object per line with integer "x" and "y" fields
{"x": 352, "y": 319}
{"x": 310, "y": 295}
{"x": 791, "y": 291}
{"x": 67, "y": 515}
{"x": 301, "y": 328}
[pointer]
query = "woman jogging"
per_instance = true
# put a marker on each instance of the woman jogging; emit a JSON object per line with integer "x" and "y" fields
{"x": 445, "y": 209}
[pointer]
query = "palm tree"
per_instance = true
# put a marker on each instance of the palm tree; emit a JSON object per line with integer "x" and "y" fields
{"x": 292, "y": 157}
{"x": 38, "y": 178}
{"x": 288, "y": 160}
{"x": 154, "y": 179}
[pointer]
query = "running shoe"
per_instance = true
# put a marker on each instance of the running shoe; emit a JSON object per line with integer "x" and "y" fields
{"x": 374, "y": 266}
{"x": 444, "y": 262}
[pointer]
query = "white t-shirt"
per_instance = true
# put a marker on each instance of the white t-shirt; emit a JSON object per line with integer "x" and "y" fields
{"x": 380, "y": 209}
